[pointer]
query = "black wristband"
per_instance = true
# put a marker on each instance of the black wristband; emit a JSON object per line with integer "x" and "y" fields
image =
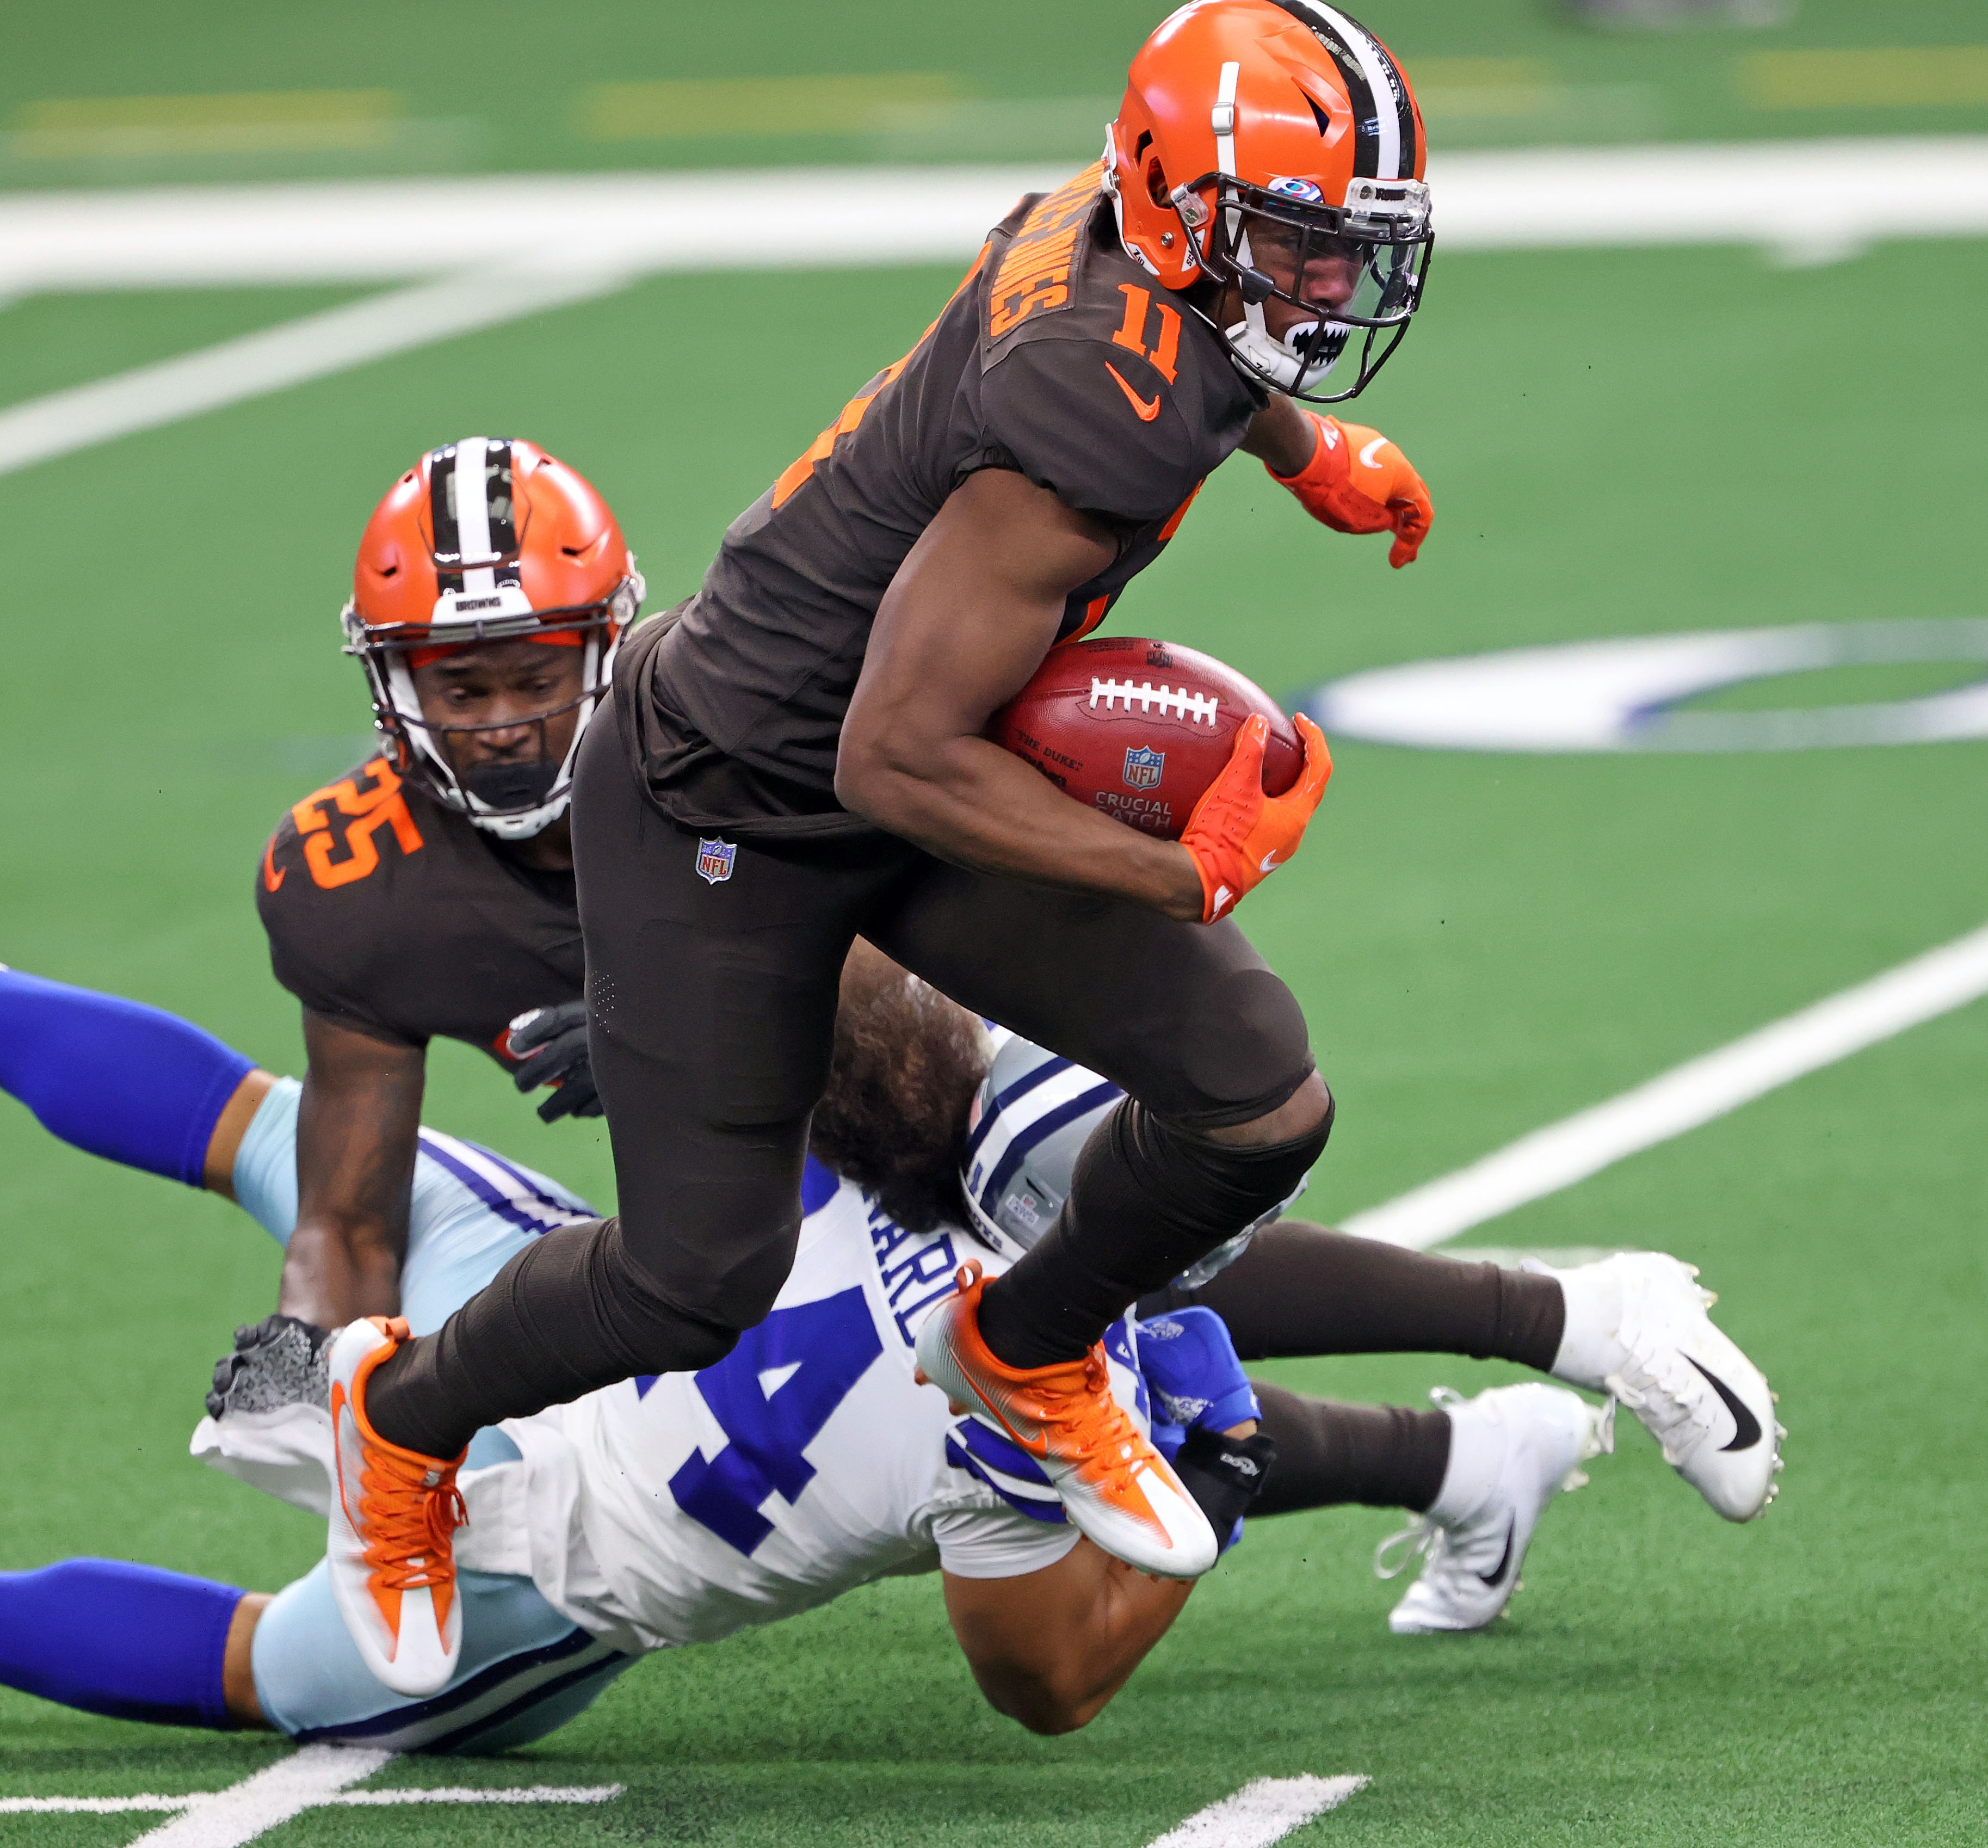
{"x": 1225, "y": 1474}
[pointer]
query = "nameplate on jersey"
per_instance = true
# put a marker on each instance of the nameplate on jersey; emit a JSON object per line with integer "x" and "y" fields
{"x": 1034, "y": 274}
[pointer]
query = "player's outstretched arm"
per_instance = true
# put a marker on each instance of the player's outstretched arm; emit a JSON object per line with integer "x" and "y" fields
{"x": 357, "y": 1127}
{"x": 1051, "y": 1648}
{"x": 968, "y": 617}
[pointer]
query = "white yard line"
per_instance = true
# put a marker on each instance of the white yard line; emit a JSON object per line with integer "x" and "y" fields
{"x": 227, "y": 1818}
{"x": 315, "y": 1777}
{"x": 547, "y": 241}
{"x": 464, "y": 1793}
{"x": 1790, "y": 195}
{"x": 396, "y": 230}
{"x": 1684, "y": 1097}
{"x": 1262, "y": 1813}
{"x": 312, "y": 347}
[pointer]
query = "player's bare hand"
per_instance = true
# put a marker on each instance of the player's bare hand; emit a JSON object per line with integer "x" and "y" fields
{"x": 1359, "y": 482}
{"x": 1238, "y": 835}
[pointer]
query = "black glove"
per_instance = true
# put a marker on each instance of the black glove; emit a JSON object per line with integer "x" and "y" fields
{"x": 550, "y": 1044}
{"x": 1224, "y": 1475}
{"x": 277, "y": 1361}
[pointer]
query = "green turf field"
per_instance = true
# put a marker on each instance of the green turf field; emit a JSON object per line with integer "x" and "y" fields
{"x": 115, "y": 93}
{"x": 1617, "y": 445}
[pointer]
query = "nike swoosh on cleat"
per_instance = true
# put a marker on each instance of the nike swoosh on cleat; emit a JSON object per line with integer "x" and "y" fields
{"x": 1493, "y": 1579}
{"x": 1745, "y": 1426}
{"x": 1148, "y": 408}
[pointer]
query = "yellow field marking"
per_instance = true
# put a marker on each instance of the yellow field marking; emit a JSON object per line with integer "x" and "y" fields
{"x": 689, "y": 108}
{"x": 1894, "y": 77}
{"x": 243, "y": 122}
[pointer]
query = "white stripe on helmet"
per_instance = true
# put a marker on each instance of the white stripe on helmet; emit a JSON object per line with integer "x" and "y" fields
{"x": 1374, "y": 64}
{"x": 472, "y": 513}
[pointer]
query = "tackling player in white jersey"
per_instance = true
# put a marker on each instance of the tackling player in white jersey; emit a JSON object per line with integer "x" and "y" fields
{"x": 674, "y": 1510}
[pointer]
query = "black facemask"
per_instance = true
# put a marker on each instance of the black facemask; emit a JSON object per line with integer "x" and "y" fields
{"x": 510, "y": 788}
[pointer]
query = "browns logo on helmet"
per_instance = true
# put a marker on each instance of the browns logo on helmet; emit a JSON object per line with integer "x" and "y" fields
{"x": 488, "y": 540}
{"x": 1259, "y": 139}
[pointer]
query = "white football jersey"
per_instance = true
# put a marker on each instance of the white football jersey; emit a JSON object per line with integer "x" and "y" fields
{"x": 679, "y": 1508}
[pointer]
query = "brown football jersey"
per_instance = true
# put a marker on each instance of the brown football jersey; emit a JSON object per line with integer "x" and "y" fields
{"x": 393, "y": 914}
{"x": 1058, "y": 356}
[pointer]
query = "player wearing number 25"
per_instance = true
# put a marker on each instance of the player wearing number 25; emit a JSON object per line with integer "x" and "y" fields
{"x": 799, "y": 758}
{"x": 428, "y": 894}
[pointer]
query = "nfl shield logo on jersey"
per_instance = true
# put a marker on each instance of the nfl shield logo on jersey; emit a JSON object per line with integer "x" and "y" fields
{"x": 1143, "y": 766}
{"x": 714, "y": 859}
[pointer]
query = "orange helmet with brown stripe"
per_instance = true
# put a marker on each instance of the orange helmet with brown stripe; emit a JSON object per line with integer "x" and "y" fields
{"x": 1261, "y": 144}
{"x": 488, "y": 540}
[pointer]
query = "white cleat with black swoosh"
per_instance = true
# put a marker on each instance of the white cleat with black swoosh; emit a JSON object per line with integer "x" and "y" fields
{"x": 1511, "y": 1450}
{"x": 1637, "y": 1327}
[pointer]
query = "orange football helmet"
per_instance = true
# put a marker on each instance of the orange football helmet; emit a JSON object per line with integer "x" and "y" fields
{"x": 529, "y": 551}
{"x": 1287, "y": 123}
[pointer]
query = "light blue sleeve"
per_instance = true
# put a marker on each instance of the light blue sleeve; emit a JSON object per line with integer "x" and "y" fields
{"x": 470, "y": 1212}
{"x": 265, "y": 1164}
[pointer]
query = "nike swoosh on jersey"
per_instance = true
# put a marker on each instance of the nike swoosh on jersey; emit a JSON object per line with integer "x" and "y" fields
{"x": 1745, "y": 1426}
{"x": 1495, "y": 1576}
{"x": 1148, "y": 408}
{"x": 1370, "y": 457}
{"x": 273, "y": 875}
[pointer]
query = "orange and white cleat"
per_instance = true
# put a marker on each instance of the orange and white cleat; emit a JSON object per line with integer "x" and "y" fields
{"x": 393, "y": 1516}
{"x": 1115, "y": 1487}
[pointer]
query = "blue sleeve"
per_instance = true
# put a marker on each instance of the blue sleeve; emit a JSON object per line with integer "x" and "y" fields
{"x": 114, "y": 1078}
{"x": 134, "y": 1642}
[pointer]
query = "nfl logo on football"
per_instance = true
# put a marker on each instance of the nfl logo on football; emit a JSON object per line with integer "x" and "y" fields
{"x": 714, "y": 859}
{"x": 1143, "y": 766}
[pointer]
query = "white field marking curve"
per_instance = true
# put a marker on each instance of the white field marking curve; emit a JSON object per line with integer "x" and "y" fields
{"x": 1684, "y": 1097}
{"x": 541, "y": 241}
{"x": 316, "y": 1777}
{"x": 1261, "y": 1812}
{"x": 1622, "y": 693}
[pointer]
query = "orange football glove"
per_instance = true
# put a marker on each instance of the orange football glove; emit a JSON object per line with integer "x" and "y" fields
{"x": 1359, "y": 482}
{"x": 1238, "y": 835}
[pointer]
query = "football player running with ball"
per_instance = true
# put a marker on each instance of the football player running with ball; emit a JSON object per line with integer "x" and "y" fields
{"x": 798, "y": 758}
{"x": 429, "y": 893}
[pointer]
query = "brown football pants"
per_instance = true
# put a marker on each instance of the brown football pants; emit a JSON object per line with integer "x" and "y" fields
{"x": 712, "y": 1008}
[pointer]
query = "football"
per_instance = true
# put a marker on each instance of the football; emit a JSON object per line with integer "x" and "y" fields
{"x": 1139, "y": 730}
